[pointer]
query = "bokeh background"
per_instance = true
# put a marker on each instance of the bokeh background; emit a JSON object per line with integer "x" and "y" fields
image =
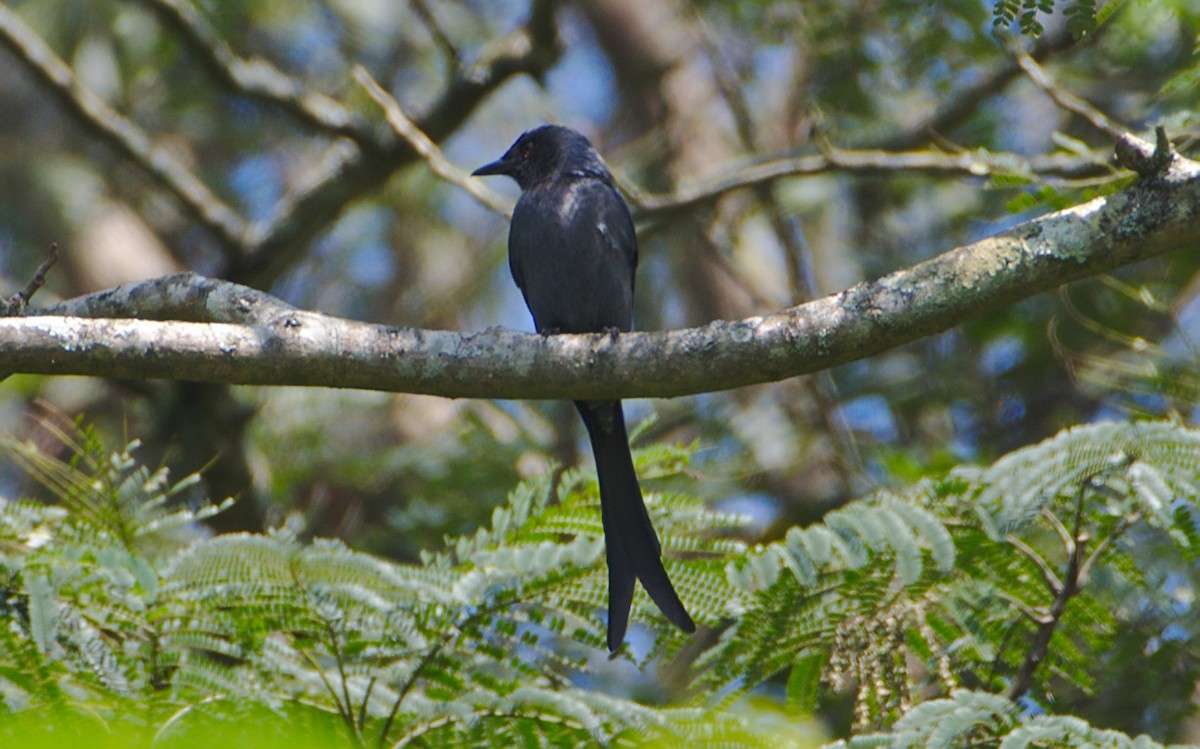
{"x": 676, "y": 96}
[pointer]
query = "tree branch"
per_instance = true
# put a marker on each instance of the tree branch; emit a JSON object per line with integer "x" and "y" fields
{"x": 964, "y": 102}
{"x": 965, "y": 164}
{"x": 256, "y": 340}
{"x": 18, "y": 303}
{"x": 436, "y": 32}
{"x": 895, "y": 152}
{"x": 355, "y": 164}
{"x": 1065, "y": 591}
{"x": 1048, "y": 577}
{"x": 427, "y": 149}
{"x": 1065, "y": 99}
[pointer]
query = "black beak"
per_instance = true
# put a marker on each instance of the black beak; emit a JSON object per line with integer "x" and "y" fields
{"x": 496, "y": 167}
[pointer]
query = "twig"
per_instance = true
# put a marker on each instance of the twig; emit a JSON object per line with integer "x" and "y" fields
{"x": 426, "y": 148}
{"x": 345, "y": 705}
{"x": 1036, "y": 616}
{"x": 726, "y": 79}
{"x": 1126, "y": 523}
{"x": 419, "y": 730}
{"x": 366, "y": 700}
{"x": 121, "y": 133}
{"x": 454, "y": 632}
{"x": 343, "y": 712}
{"x": 1070, "y": 586}
{"x": 1066, "y": 99}
{"x": 1095, "y": 327}
{"x": 1064, "y": 535}
{"x": 1147, "y": 160}
{"x": 833, "y": 159}
{"x": 1048, "y": 576}
{"x": 426, "y": 659}
{"x": 18, "y": 303}
{"x": 355, "y": 728}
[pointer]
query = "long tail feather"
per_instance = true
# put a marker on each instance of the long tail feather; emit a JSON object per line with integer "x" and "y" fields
{"x": 630, "y": 543}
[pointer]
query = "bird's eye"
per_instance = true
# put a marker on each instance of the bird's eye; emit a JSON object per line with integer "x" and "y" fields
{"x": 527, "y": 150}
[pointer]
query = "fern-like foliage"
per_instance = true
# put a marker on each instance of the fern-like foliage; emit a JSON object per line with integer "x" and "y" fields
{"x": 971, "y": 718}
{"x": 1083, "y": 16}
{"x": 830, "y": 599}
{"x": 476, "y": 645}
{"x": 1045, "y": 544}
{"x": 110, "y": 492}
{"x": 1006, "y": 577}
{"x": 955, "y": 610}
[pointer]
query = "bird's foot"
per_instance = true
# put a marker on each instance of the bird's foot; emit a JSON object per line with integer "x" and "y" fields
{"x": 547, "y": 332}
{"x": 612, "y": 331}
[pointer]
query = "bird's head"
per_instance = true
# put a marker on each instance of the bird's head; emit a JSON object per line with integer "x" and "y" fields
{"x": 546, "y": 153}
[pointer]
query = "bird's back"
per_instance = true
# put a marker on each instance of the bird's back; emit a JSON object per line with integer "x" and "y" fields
{"x": 573, "y": 253}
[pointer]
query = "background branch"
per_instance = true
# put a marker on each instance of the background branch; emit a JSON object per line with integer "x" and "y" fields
{"x": 298, "y": 217}
{"x": 256, "y": 78}
{"x": 259, "y": 253}
{"x": 1066, "y": 99}
{"x": 426, "y": 148}
{"x": 966, "y": 101}
{"x": 869, "y": 162}
{"x": 122, "y": 134}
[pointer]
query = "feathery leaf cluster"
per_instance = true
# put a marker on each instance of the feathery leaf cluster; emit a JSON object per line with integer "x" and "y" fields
{"x": 949, "y": 608}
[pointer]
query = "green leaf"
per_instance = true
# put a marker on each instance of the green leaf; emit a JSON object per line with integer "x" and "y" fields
{"x": 804, "y": 682}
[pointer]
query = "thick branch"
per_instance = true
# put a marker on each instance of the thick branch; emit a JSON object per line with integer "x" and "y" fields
{"x": 263, "y": 342}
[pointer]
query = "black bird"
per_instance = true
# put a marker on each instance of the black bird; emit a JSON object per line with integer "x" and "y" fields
{"x": 572, "y": 251}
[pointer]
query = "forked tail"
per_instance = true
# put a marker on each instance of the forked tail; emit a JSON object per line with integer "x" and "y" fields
{"x": 630, "y": 543}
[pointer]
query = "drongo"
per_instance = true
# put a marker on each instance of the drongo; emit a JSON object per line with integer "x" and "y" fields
{"x": 573, "y": 252}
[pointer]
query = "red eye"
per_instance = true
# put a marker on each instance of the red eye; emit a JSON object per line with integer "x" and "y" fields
{"x": 528, "y": 150}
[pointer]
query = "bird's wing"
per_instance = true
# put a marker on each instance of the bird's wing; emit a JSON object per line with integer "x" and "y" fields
{"x": 617, "y": 229}
{"x": 525, "y": 235}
